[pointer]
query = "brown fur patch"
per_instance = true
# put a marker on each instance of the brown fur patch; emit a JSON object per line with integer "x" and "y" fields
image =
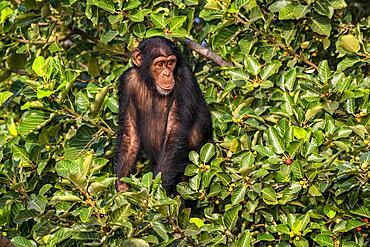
{"x": 130, "y": 142}
{"x": 194, "y": 137}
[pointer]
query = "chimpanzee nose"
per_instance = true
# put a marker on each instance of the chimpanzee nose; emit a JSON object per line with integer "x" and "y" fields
{"x": 166, "y": 72}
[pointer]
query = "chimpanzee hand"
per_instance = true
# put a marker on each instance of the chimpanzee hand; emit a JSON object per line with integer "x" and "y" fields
{"x": 121, "y": 186}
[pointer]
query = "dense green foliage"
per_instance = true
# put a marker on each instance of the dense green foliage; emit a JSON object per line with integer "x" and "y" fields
{"x": 291, "y": 124}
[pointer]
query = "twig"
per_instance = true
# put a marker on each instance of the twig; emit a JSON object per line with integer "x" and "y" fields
{"x": 207, "y": 53}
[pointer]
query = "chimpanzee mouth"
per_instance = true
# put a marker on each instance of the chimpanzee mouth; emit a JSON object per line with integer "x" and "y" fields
{"x": 165, "y": 90}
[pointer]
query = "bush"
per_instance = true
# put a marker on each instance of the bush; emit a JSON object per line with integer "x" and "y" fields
{"x": 291, "y": 124}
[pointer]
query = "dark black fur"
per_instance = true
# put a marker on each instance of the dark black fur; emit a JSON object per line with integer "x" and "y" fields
{"x": 169, "y": 150}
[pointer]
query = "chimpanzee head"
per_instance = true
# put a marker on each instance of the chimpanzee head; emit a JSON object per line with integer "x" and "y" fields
{"x": 157, "y": 59}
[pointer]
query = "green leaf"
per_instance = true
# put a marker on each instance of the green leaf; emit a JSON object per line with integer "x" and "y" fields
{"x": 224, "y": 36}
{"x": 147, "y": 179}
{"x": 40, "y": 66}
{"x": 270, "y": 69}
{"x": 4, "y": 96}
{"x": 177, "y": 22}
{"x": 362, "y": 211}
{"x": 239, "y": 75}
{"x": 269, "y": 195}
{"x": 278, "y": 5}
{"x": 288, "y": 33}
{"x": 349, "y": 43}
{"x": 194, "y": 157}
{"x": 82, "y": 102}
{"x": 136, "y": 16}
{"x": 324, "y": 71}
{"x": 154, "y": 32}
{"x": 160, "y": 230}
{"x": 265, "y": 237}
{"x": 324, "y": 240}
{"x": 108, "y": 36}
{"x": 209, "y": 15}
{"x": 245, "y": 240}
{"x": 198, "y": 222}
{"x": 134, "y": 242}
{"x": 297, "y": 169}
{"x": 159, "y": 20}
{"x": 139, "y": 30}
{"x": 23, "y": 242}
{"x": 312, "y": 112}
{"x": 59, "y": 236}
{"x": 252, "y": 65}
{"x": 38, "y": 203}
{"x": 329, "y": 211}
{"x": 93, "y": 67}
{"x": 265, "y": 151}
{"x": 20, "y": 153}
{"x": 132, "y": 4}
{"x": 65, "y": 196}
{"x": 191, "y": 2}
{"x": 300, "y": 11}
{"x": 113, "y": 19}
{"x": 238, "y": 195}
{"x": 206, "y": 152}
{"x": 338, "y": 4}
{"x": 290, "y": 79}
{"x": 353, "y": 223}
{"x": 106, "y": 5}
{"x": 287, "y": 12}
{"x": 301, "y": 242}
{"x": 24, "y": 215}
{"x": 323, "y": 8}
{"x": 314, "y": 191}
{"x": 282, "y": 229}
{"x": 365, "y": 157}
{"x": 231, "y": 216}
{"x": 5, "y": 13}
{"x": 275, "y": 140}
{"x": 321, "y": 25}
{"x": 347, "y": 62}
{"x": 80, "y": 143}
{"x": 122, "y": 214}
{"x": 240, "y": 3}
{"x": 302, "y": 222}
{"x": 72, "y": 170}
{"x": 247, "y": 160}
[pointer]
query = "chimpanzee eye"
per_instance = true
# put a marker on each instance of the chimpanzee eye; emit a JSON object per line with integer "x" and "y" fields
{"x": 171, "y": 63}
{"x": 160, "y": 64}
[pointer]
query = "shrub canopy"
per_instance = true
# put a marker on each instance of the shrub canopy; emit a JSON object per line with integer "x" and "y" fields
{"x": 291, "y": 124}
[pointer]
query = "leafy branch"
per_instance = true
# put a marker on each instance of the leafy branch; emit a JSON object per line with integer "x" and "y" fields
{"x": 272, "y": 40}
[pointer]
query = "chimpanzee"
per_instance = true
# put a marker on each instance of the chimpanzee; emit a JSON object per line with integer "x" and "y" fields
{"x": 161, "y": 111}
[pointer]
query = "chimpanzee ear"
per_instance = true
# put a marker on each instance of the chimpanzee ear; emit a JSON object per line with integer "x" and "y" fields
{"x": 136, "y": 57}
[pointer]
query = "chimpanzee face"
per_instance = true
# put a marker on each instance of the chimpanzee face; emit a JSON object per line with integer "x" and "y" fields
{"x": 162, "y": 70}
{"x": 158, "y": 68}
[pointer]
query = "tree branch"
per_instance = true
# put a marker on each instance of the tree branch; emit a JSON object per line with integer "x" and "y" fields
{"x": 4, "y": 242}
{"x": 207, "y": 53}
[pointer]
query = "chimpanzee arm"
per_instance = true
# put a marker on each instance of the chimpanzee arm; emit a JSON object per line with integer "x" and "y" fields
{"x": 128, "y": 136}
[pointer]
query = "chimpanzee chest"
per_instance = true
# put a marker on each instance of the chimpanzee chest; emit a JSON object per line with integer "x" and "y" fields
{"x": 153, "y": 126}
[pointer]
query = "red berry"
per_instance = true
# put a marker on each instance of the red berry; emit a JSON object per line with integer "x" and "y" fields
{"x": 288, "y": 161}
{"x": 358, "y": 229}
{"x": 366, "y": 220}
